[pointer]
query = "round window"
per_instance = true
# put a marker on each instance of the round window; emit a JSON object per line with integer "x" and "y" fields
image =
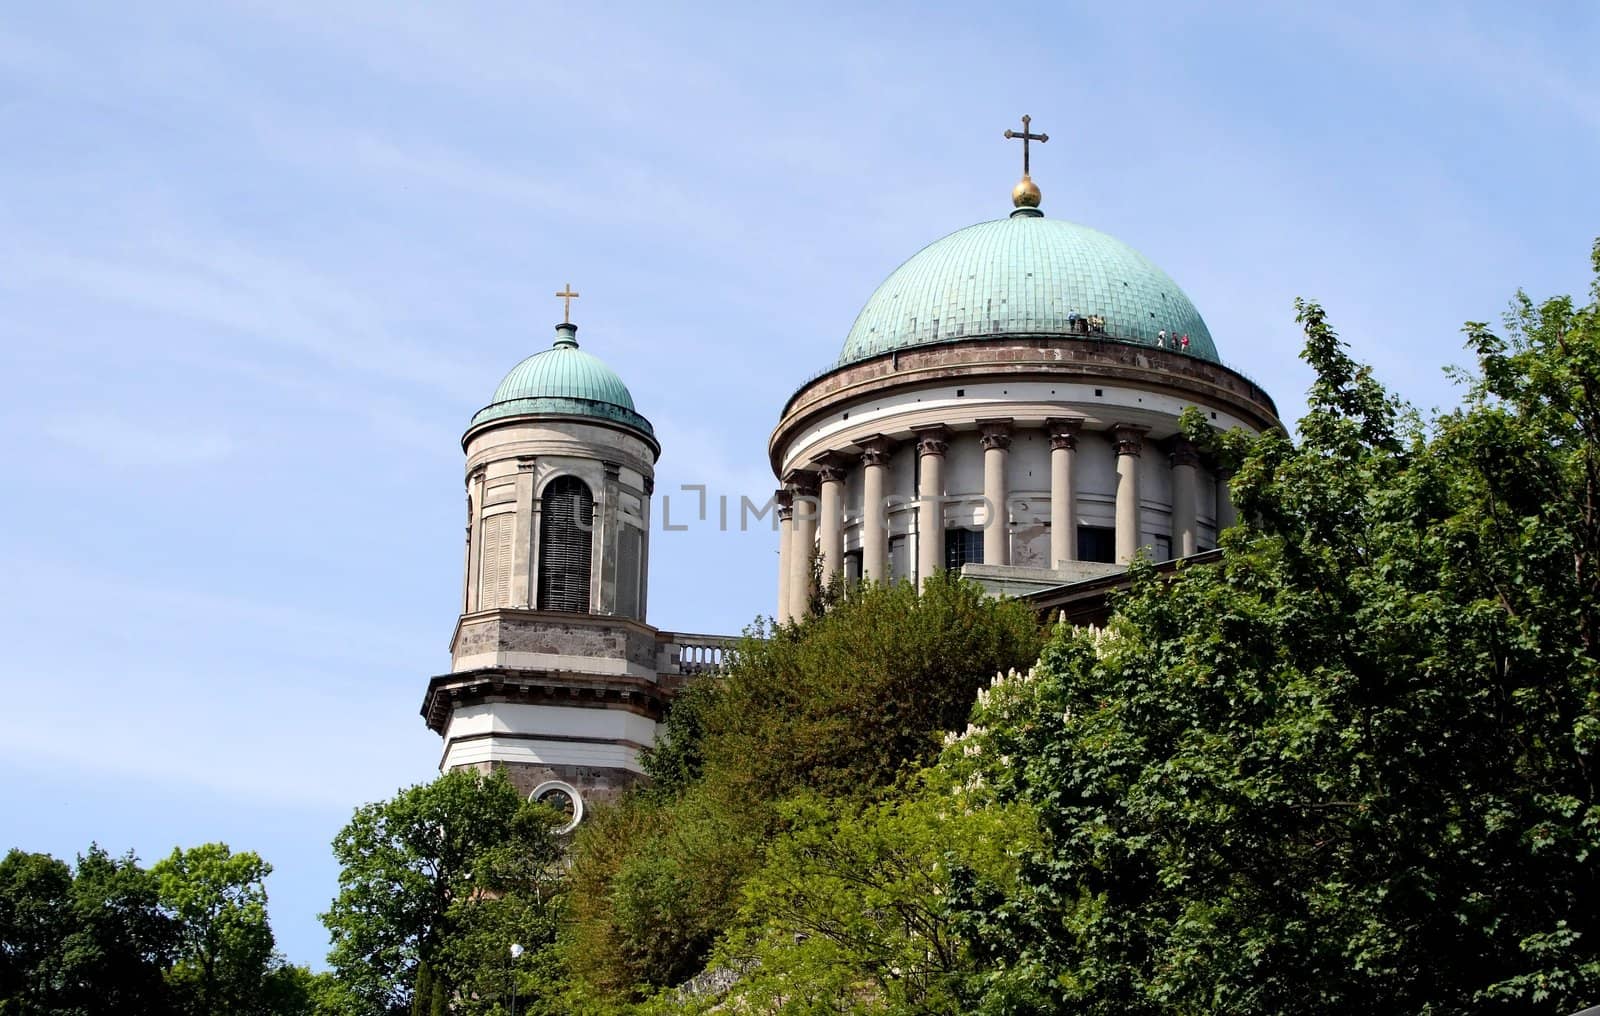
{"x": 564, "y": 798}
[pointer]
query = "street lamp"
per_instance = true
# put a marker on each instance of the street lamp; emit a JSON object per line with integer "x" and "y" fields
{"x": 516, "y": 954}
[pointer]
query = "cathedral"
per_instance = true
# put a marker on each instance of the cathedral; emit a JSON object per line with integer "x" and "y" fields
{"x": 1006, "y": 404}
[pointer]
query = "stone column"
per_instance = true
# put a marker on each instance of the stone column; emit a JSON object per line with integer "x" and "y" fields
{"x": 1185, "y": 493}
{"x": 785, "y": 499}
{"x": 1128, "y": 442}
{"x": 1226, "y": 516}
{"x": 1063, "y": 490}
{"x": 802, "y": 541}
{"x": 522, "y": 543}
{"x": 874, "y": 529}
{"x": 932, "y": 443}
{"x": 831, "y": 475}
{"x": 997, "y": 526}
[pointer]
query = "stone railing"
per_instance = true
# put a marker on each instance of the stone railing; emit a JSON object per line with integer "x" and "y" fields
{"x": 689, "y": 655}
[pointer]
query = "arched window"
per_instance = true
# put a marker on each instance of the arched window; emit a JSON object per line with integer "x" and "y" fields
{"x": 565, "y": 545}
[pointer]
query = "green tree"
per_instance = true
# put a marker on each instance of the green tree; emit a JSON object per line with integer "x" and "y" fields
{"x": 291, "y": 990}
{"x": 190, "y": 935}
{"x": 850, "y": 911}
{"x": 35, "y": 919}
{"x": 519, "y": 897}
{"x": 677, "y": 759}
{"x": 835, "y": 707}
{"x": 841, "y": 702}
{"x": 1352, "y": 768}
{"x": 428, "y": 878}
{"x": 226, "y": 946}
{"x": 119, "y": 941}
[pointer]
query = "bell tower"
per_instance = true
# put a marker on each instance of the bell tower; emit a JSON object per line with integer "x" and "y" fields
{"x": 555, "y": 677}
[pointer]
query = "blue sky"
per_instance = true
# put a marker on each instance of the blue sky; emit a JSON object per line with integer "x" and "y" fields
{"x": 260, "y": 263}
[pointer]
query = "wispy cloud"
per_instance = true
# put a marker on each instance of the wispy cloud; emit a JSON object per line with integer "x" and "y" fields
{"x": 221, "y": 284}
{"x": 1447, "y": 43}
{"x": 129, "y": 443}
{"x": 236, "y": 702}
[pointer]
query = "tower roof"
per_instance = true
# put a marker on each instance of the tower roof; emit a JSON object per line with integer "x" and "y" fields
{"x": 566, "y": 381}
{"x": 1025, "y": 275}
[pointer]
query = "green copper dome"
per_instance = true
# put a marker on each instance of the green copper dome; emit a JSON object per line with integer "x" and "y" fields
{"x": 566, "y": 381}
{"x": 1026, "y": 276}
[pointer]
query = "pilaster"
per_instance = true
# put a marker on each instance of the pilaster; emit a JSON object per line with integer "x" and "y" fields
{"x": 522, "y": 545}
{"x": 475, "y": 481}
{"x": 604, "y": 599}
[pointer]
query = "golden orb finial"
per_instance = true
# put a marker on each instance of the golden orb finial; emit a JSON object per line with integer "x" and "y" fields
{"x": 1026, "y": 193}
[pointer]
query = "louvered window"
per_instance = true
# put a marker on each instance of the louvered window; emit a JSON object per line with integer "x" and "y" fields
{"x": 565, "y": 545}
{"x": 494, "y": 589}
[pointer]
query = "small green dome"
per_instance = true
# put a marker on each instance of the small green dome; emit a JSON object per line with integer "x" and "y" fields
{"x": 566, "y": 381}
{"x": 1026, "y": 276}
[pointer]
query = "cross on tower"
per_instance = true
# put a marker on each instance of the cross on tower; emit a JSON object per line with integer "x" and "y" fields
{"x": 566, "y": 311}
{"x": 1026, "y": 137}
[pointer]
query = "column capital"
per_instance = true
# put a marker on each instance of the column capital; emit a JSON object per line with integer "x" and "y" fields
{"x": 649, "y": 485}
{"x": 478, "y": 472}
{"x": 525, "y": 463}
{"x": 1063, "y": 431}
{"x": 612, "y": 470}
{"x": 996, "y": 434}
{"x": 875, "y": 451}
{"x": 933, "y": 439}
{"x": 1182, "y": 452}
{"x": 1127, "y": 439}
{"x": 801, "y": 482}
{"x": 832, "y": 468}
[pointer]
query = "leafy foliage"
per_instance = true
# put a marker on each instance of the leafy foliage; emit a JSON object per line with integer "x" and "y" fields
{"x": 219, "y": 900}
{"x": 110, "y": 936}
{"x": 841, "y": 702}
{"x": 677, "y": 759}
{"x": 850, "y": 911}
{"x": 832, "y": 708}
{"x": 436, "y": 883}
{"x": 653, "y": 884}
{"x": 1351, "y": 769}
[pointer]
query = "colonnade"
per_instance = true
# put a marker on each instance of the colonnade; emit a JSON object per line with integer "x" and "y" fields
{"x": 811, "y": 504}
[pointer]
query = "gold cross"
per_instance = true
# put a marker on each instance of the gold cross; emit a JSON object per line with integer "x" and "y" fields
{"x": 1026, "y": 137}
{"x": 566, "y": 311}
